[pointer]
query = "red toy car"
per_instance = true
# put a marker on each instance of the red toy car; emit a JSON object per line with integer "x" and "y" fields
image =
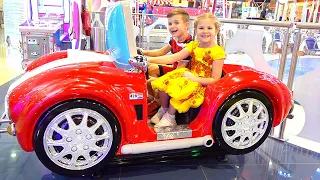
{"x": 78, "y": 113}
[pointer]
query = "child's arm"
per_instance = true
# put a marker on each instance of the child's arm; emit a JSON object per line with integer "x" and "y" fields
{"x": 183, "y": 64}
{"x": 215, "y": 75}
{"x": 157, "y": 52}
{"x": 170, "y": 59}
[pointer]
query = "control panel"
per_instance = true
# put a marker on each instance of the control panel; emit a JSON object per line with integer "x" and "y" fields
{"x": 37, "y": 46}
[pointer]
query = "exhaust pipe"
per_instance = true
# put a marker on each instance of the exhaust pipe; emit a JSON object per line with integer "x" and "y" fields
{"x": 147, "y": 147}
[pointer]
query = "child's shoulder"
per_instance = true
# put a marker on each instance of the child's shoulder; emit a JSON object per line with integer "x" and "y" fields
{"x": 193, "y": 43}
{"x": 217, "y": 52}
{"x": 217, "y": 48}
{"x": 189, "y": 38}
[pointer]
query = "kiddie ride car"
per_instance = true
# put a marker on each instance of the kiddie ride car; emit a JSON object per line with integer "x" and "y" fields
{"x": 78, "y": 110}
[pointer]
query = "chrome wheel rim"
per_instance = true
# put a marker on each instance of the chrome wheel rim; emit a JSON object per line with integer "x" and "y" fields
{"x": 245, "y": 123}
{"x": 78, "y": 139}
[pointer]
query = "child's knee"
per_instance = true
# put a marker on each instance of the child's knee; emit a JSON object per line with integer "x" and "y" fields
{"x": 153, "y": 70}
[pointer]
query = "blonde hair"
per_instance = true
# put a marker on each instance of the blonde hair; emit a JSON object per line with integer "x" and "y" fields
{"x": 216, "y": 24}
{"x": 179, "y": 11}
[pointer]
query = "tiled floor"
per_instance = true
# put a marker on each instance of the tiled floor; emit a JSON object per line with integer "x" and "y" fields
{"x": 274, "y": 160}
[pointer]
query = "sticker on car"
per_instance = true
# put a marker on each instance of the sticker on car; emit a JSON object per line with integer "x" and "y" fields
{"x": 135, "y": 96}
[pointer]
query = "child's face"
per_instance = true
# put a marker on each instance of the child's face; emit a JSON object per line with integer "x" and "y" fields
{"x": 206, "y": 31}
{"x": 177, "y": 26}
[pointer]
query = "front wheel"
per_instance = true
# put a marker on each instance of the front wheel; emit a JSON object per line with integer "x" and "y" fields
{"x": 243, "y": 122}
{"x": 77, "y": 138}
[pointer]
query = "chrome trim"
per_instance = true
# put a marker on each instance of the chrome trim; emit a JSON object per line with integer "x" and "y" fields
{"x": 301, "y": 25}
{"x": 4, "y": 119}
{"x": 257, "y": 22}
{"x": 180, "y": 131}
{"x": 6, "y": 106}
{"x": 165, "y": 145}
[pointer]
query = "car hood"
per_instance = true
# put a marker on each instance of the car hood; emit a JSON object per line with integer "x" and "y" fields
{"x": 74, "y": 58}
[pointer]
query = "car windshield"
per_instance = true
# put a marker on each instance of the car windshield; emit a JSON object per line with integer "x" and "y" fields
{"x": 114, "y": 56}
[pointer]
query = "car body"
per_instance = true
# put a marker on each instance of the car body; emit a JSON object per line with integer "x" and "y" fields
{"x": 77, "y": 110}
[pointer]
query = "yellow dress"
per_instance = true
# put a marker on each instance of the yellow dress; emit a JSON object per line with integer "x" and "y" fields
{"x": 183, "y": 92}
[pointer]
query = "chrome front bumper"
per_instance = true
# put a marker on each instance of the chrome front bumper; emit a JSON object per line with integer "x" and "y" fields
{"x": 10, "y": 129}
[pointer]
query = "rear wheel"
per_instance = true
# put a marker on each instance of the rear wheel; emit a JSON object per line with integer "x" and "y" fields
{"x": 243, "y": 122}
{"x": 77, "y": 138}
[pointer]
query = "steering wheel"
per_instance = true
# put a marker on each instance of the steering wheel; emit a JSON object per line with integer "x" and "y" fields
{"x": 139, "y": 64}
{"x": 139, "y": 52}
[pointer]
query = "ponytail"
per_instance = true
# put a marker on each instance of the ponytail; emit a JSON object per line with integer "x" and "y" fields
{"x": 194, "y": 34}
{"x": 219, "y": 38}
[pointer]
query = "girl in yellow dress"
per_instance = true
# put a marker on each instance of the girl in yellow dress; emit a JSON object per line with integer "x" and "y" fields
{"x": 185, "y": 87}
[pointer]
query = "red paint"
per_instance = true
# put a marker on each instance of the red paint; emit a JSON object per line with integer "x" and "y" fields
{"x": 104, "y": 83}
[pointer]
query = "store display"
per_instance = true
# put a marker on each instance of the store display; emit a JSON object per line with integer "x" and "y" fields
{"x": 39, "y": 39}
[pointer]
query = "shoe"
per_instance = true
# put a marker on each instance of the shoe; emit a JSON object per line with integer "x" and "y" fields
{"x": 156, "y": 118}
{"x": 167, "y": 121}
{"x": 153, "y": 108}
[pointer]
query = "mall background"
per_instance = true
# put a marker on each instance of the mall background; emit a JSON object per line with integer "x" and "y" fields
{"x": 286, "y": 46}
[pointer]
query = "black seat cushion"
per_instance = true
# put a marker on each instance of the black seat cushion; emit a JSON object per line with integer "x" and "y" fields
{"x": 187, "y": 117}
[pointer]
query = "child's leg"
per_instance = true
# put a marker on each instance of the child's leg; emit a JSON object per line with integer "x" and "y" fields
{"x": 172, "y": 110}
{"x": 153, "y": 70}
{"x": 150, "y": 90}
{"x": 164, "y": 101}
{"x": 153, "y": 73}
{"x": 153, "y": 99}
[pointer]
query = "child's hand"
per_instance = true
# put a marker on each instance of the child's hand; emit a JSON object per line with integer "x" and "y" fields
{"x": 188, "y": 75}
{"x": 140, "y": 51}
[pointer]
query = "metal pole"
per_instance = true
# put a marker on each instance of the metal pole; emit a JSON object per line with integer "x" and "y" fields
{"x": 142, "y": 30}
{"x": 294, "y": 60}
{"x": 256, "y": 22}
{"x": 291, "y": 76}
{"x": 284, "y": 54}
{"x": 283, "y": 61}
{"x": 3, "y": 130}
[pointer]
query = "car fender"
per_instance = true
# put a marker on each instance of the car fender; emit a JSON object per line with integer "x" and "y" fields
{"x": 39, "y": 101}
{"x": 217, "y": 93}
{"x": 46, "y": 59}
